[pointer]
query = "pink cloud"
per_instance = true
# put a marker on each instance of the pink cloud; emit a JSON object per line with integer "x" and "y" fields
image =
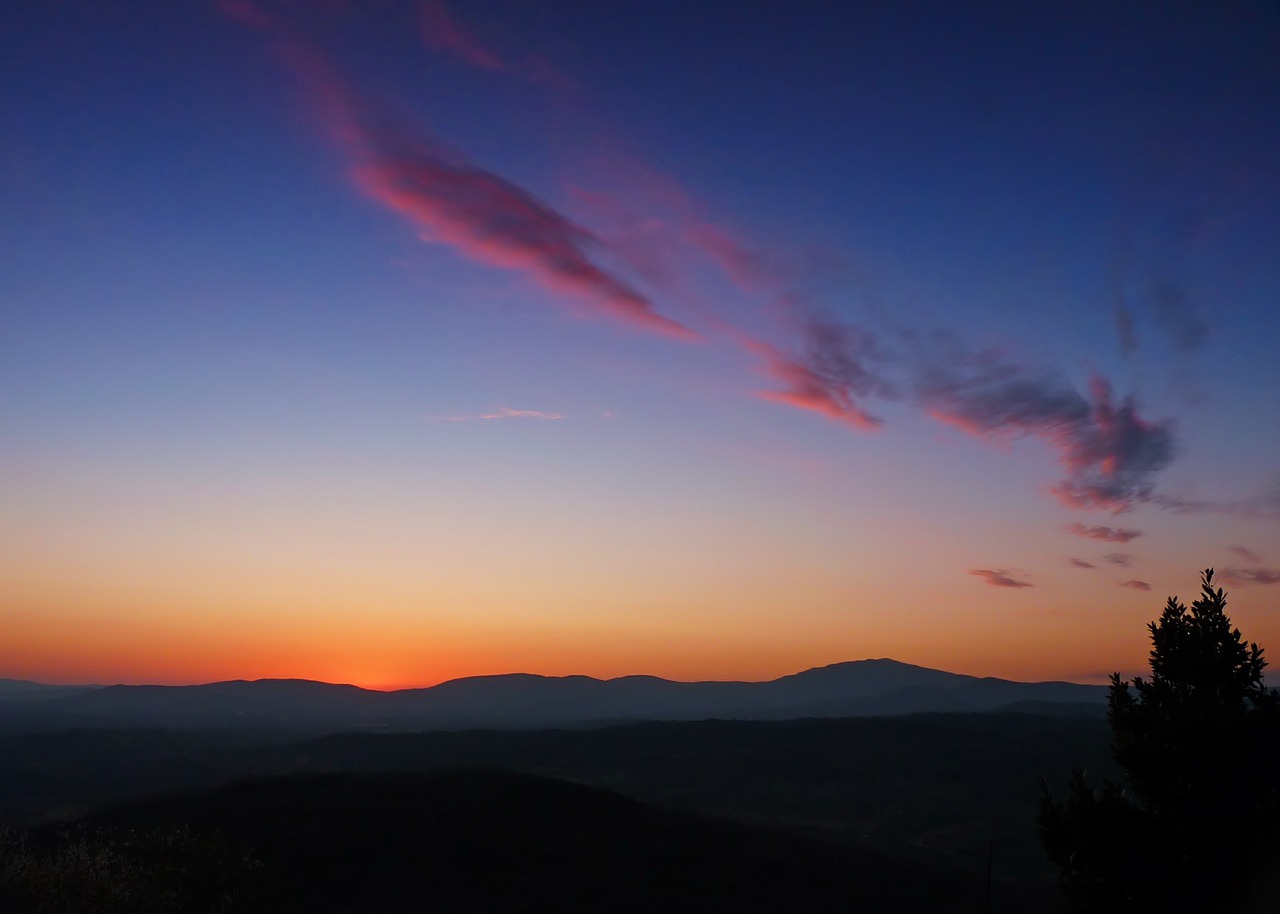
{"x": 642, "y": 200}
{"x": 643, "y": 243}
{"x": 1105, "y": 534}
{"x": 999, "y": 578}
{"x": 442, "y": 32}
{"x": 1247, "y": 554}
{"x": 808, "y": 389}
{"x": 749, "y": 268}
{"x": 246, "y": 13}
{"x": 1251, "y": 576}
{"x": 1263, "y": 506}
{"x": 493, "y": 221}
{"x": 478, "y": 213}
{"x": 1111, "y": 454}
{"x": 668, "y": 237}
{"x": 504, "y": 412}
{"x": 1136, "y": 584}
{"x": 1081, "y": 563}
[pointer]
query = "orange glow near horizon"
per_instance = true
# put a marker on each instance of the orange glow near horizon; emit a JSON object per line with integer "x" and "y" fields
{"x": 395, "y": 348}
{"x": 113, "y": 647}
{"x": 478, "y": 582}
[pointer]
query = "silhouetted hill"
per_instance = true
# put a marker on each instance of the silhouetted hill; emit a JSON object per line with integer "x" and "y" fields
{"x": 947, "y": 781}
{"x": 19, "y": 689}
{"x": 465, "y": 840}
{"x": 862, "y": 688}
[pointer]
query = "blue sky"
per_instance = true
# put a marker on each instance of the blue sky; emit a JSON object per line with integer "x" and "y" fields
{"x": 631, "y": 337}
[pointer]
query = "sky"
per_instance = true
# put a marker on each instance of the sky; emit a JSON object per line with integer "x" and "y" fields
{"x": 391, "y": 342}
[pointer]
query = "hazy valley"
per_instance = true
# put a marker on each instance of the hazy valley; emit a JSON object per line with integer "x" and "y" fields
{"x": 867, "y": 779}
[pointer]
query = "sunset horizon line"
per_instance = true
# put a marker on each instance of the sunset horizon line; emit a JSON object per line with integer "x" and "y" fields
{"x": 1094, "y": 678}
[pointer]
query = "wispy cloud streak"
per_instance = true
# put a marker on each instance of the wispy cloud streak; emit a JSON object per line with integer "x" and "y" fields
{"x": 840, "y": 370}
{"x": 1247, "y": 554}
{"x": 1000, "y": 578}
{"x": 502, "y": 412}
{"x": 832, "y": 378}
{"x": 442, "y": 32}
{"x": 751, "y": 269}
{"x": 1135, "y": 584}
{"x": 493, "y": 221}
{"x": 1111, "y": 454}
{"x": 1261, "y": 507}
{"x": 1081, "y": 563}
{"x": 480, "y": 214}
{"x": 1103, "y": 533}
{"x": 1251, "y": 576}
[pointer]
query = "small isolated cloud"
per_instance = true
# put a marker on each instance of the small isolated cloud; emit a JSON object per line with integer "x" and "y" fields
{"x": 1121, "y": 559}
{"x": 1081, "y": 563}
{"x": 1247, "y": 554}
{"x": 1136, "y": 584}
{"x": 1000, "y": 578}
{"x": 1251, "y": 576}
{"x": 1105, "y": 534}
{"x": 502, "y": 412}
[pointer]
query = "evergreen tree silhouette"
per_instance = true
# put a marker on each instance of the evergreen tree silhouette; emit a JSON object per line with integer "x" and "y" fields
{"x": 1193, "y": 824}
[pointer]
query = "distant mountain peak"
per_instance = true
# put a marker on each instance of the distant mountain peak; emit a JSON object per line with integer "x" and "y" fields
{"x": 855, "y": 688}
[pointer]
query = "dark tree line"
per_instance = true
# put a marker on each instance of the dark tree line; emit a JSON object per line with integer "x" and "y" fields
{"x": 1193, "y": 826}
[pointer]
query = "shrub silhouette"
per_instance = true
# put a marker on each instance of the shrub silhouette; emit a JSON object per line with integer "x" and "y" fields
{"x": 1192, "y": 827}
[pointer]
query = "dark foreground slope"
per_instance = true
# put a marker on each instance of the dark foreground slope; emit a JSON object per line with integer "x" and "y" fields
{"x": 950, "y": 782}
{"x": 467, "y": 840}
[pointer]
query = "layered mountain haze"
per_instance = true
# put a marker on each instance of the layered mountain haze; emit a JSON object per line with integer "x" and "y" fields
{"x": 24, "y": 689}
{"x": 523, "y": 700}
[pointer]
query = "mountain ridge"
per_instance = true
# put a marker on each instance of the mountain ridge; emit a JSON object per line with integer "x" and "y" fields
{"x": 841, "y": 664}
{"x": 871, "y": 687}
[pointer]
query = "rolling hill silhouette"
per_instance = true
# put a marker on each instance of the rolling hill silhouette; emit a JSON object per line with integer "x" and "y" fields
{"x": 483, "y": 840}
{"x": 523, "y": 700}
{"x": 20, "y": 689}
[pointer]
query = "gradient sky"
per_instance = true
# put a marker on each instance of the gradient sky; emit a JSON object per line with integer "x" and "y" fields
{"x": 390, "y": 342}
